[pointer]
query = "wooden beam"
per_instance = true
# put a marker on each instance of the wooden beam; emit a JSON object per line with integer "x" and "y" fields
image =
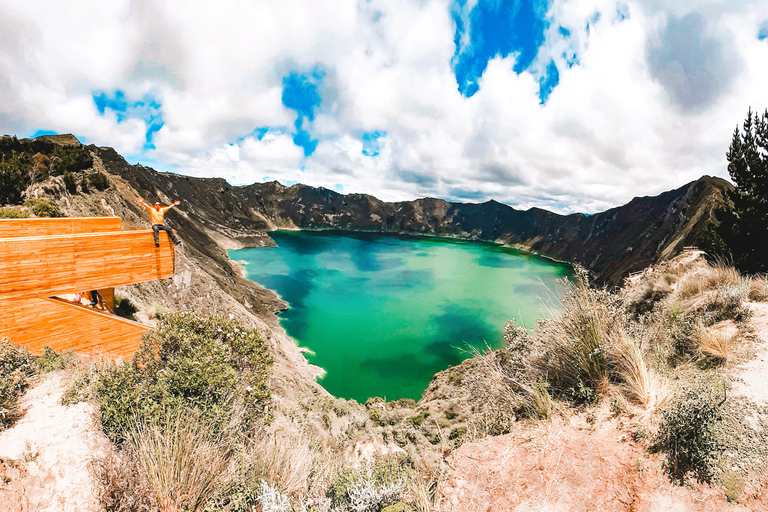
{"x": 65, "y": 326}
{"x": 10, "y": 228}
{"x": 44, "y": 266}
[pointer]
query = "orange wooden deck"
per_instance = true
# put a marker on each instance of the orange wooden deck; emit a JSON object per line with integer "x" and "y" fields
{"x": 42, "y": 258}
{"x": 43, "y": 266}
{"x": 65, "y": 326}
{"x": 60, "y": 226}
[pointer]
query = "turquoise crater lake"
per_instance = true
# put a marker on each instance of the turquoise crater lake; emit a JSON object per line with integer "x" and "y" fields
{"x": 382, "y": 314}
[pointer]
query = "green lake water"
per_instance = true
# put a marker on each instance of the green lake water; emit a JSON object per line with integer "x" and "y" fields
{"x": 382, "y": 314}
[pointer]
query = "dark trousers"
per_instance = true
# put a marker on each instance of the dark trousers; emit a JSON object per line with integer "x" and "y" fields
{"x": 156, "y": 229}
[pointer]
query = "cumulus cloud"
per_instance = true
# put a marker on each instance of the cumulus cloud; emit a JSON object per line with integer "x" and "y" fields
{"x": 568, "y": 105}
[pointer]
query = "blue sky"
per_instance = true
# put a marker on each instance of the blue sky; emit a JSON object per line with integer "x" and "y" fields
{"x": 574, "y": 105}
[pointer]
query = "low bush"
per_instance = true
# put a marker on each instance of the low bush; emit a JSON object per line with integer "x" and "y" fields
{"x": 287, "y": 462}
{"x": 124, "y": 307}
{"x": 71, "y": 159}
{"x": 43, "y": 208}
{"x": 689, "y": 432}
{"x": 99, "y": 180}
{"x": 51, "y": 361}
{"x": 13, "y": 212}
{"x": 70, "y": 183}
{"x": 208, "y": 364}
{"x": 16, "y": 367}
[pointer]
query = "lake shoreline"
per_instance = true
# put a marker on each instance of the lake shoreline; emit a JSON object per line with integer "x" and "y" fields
{"x": 450, "y": 308}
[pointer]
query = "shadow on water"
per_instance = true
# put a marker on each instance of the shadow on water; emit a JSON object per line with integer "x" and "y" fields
{"x": 457, "y": 329}
{"x": 409, "y": 279}
{"x": 498, "y": 260}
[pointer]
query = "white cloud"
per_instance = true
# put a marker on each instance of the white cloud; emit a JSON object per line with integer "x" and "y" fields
{"x": 609, "y": 131}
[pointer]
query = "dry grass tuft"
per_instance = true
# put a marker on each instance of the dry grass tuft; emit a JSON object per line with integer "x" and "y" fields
{"x": 575, "y": 343}
{"x": 183, "y": 465}
{"x": 758, "y": 289}
{"x": 714, "y": 344}
{"x": 284, "y": 459}
{"x": 122, "y": 487}
{"x": 641, "y": 384}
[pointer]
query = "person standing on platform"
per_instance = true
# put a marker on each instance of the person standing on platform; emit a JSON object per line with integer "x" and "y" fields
{"x": 157, "y": 216}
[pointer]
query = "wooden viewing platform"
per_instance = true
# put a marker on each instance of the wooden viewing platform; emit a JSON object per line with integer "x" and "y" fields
{"x": 44, "y": 258}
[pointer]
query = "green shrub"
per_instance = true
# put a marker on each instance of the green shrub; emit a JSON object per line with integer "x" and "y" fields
{"x": 208, "y": 364}
{"x": 416, "y": 420}
{"x": 458, "y": 436}
{"x": 70, "y": 183}
{"x": 13, "y": 212}
{"x": 99, "y": 180}
{"x": 51, "y": 361}
{"x": 688, "y": 433}
{"x": 15, "y": 370}
{"x": 12, "y": 180}
{"x": 71, "y": 159}
{"x": 84, "y": 185}
{"x": 43, "y": 208}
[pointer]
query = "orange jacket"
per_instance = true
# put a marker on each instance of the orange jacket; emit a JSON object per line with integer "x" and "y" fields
{"x": 157, "y": 216}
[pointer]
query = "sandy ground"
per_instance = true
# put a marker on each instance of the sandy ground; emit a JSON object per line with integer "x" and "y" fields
{"x": 752, "y": 377}
{"x": 570, "y": 466}
{"x": 573, "y": 466}
{"x": 46, "y": 455}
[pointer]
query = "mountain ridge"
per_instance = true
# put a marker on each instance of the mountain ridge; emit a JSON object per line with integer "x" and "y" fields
{"x": 610, "y": 244}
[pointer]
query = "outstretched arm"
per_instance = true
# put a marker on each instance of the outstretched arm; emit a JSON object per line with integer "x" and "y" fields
{"x": 140, "y": 200}
{"x": 175, "y": 203}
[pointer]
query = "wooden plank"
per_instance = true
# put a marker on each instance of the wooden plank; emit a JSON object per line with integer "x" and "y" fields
{"x": 44, "y": 266}
{"x": 108, "y": 294}
{"x": 64, "y": 326}
{"x": 10, "y": 228}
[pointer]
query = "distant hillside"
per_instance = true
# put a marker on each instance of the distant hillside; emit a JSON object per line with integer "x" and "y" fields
{"x": 610, "y": 244}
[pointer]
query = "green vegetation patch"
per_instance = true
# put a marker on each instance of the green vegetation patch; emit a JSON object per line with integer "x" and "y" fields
{"x": 204, "y": 363}
{"x": 16, "y": 367}
{"x": 43, "y": 208}
{"x": 13, "y": 212}
{"x": 98, "y": 180}
{"x": 51, "y": 361}
{"x": 71, "y": 159}
{"x": 371, "y": 486}
{"x": 12, "y": 180}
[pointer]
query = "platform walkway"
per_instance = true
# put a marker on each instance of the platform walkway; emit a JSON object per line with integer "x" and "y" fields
{"x": 41, "y": 259}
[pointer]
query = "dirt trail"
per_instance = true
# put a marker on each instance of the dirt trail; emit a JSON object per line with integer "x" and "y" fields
{"x": 752, "y": 377}
{"x": 46, "y": 455}
{"x": 569, "y": 466}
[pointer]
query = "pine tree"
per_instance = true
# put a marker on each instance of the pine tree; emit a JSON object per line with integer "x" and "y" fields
{"x": 742, "y": 233}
